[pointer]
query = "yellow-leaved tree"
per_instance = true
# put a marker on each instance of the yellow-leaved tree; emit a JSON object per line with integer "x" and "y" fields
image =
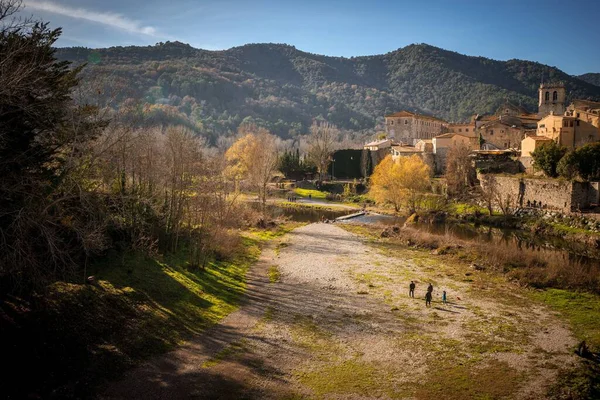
{"x": 254, "y": 157}
{"x": 400, "y": 182}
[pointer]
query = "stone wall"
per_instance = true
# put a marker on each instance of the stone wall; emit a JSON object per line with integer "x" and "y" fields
{"x": 553, "y": 194}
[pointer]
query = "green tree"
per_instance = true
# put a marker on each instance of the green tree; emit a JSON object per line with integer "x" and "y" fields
{"x": 547, "y": 156}
{"x": 583, "y": 162}
{"x": 42, "y": 136}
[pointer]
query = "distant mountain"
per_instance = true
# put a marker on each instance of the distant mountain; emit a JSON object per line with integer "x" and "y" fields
{"x": 283, "y": 88}
{"x": 593, "y": 78}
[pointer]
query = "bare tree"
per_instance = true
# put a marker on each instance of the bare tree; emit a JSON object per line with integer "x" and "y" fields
{"x": 506, "y": 202}
{"x": 321, "y": 144}
{"x": 489, "y": 189}
{"x": 458, "y": 169}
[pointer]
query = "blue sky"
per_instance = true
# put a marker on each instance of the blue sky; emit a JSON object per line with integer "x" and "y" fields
{"x": 558, "y": 33}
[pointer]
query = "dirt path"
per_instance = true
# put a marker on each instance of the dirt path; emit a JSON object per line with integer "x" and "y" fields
{"x": 327, "y": 316}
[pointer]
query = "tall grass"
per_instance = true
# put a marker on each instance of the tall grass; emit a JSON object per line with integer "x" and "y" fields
{"x": 534, "y": 266}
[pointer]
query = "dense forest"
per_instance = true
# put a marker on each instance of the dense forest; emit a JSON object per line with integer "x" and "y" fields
{"x": 593, "y": 78}
{"x": 284, "y": 89}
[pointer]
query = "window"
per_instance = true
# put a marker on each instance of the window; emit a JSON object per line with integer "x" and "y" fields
{"x": 491, "y": 131}
{"x": 571, "y": 124}
{"x": 460, "y": 130}
{"x": 547, "y": 96}
{"x": 577, "y": 115}
{"x": 466, "y": 129}
{"x": 392, "y": 122}
{"x": 577, "y": 122}
{"x": 555, "y": 96}
{"x": 405, "y": 122}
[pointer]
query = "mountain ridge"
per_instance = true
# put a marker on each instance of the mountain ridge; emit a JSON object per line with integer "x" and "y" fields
{"x": 284, "y": 89}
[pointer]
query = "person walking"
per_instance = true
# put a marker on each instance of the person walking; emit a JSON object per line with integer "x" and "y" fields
{"x": 428, "y": 299}
{"x": 444, "y": 297}
{"x": 430, "y": 288}
{"x": 411, "y": 289}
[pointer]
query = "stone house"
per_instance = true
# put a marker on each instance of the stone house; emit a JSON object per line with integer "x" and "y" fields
{"x": 408, "y": 128}
{"x": 528, "y": 145}
{"x": 425, "y": 145}
{"x": 463, "y": 129}
{"x": 568, "y": 130}
{"x": 443, "y": 143}
{"x": 399, "y": 151}
{"x": 502, "y": 133}
{"x": 586, "y": 111}
{"x": 378, "y": 145}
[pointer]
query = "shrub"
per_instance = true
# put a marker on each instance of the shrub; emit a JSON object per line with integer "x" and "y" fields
{"x": 547, "y": 156}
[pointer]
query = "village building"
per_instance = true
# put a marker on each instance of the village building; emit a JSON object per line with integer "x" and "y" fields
{"x": 403, "y": 151}
{"x": 408, "y": 128}
{"x": 425, "y": 145}
{"x": 399, "y": 151}
{"x": 507, "y": 128}
{"x": 501, "y": 134}
{"x": 443, "y": 143}
{"x": 552, "y": 97}
{"x": 378, "y": 145}
{"x": 463, "y": 129}
{"x": 478, "y": 120}
{"x": 528, "y": 146}
{"x": 586, "y": 111}
{"x": 568, "y": 131}
{"x": 531, "y": 143}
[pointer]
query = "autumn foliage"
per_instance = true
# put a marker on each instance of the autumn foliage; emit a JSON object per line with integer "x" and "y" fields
{"x": 400, "y": 182}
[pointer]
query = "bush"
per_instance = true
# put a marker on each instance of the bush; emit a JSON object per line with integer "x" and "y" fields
{"x": 547, "y": 156}
{"x": 583, "y": 162}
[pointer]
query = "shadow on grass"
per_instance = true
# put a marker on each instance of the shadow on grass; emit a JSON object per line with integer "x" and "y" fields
{"x": 78, "y": 336}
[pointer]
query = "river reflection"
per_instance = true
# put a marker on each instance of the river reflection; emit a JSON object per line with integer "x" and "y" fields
{"x": 544, "y": 247}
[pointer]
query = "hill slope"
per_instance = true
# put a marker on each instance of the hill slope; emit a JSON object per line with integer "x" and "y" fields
{"x": 593, "y": 78}
{"x": 284, "y": 88}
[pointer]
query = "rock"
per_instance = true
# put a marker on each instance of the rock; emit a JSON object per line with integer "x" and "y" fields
{"x": 477, "y": 267}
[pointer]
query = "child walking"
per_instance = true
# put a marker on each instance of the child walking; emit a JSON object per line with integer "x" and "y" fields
{"x": 444, "y": 297}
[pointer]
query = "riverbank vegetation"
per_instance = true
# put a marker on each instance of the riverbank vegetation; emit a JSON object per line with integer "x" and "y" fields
{"x": 117, "y": 242}
{"x": 537, "y": 269}
{"x": 527, "y": 281}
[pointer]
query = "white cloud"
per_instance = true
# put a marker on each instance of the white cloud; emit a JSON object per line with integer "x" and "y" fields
{"x": 105, "y": 18}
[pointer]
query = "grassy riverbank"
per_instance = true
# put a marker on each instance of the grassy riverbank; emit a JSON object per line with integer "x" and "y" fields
{"x": 579, "y": 310}
{"x": 76, "y": 336}
{"x": 573, "y": 292}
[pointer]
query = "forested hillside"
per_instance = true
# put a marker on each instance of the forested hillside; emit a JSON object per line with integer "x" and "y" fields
{"x": 284, "y": 89}
{"x": 593, "y": 78}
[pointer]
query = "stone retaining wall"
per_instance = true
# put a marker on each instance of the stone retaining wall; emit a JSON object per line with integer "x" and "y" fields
{"x": 554, "y": 194}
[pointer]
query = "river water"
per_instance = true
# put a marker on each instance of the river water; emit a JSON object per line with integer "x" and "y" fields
{"x": 543, "y": 247}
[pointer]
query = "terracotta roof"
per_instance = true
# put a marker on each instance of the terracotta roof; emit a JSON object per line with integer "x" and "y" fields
{"x": 406, "y": 149}
{"x": 451, "y": 134}
{"x": 587, "y": 103}
{"x": 377, "y": 142}
{"x": 538, "y": 138}
{"x": 405, "y": 113}
{"x": 487, "y": 118}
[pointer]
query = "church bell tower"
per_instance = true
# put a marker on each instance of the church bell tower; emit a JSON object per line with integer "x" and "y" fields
{"x": 551, "y": 99}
